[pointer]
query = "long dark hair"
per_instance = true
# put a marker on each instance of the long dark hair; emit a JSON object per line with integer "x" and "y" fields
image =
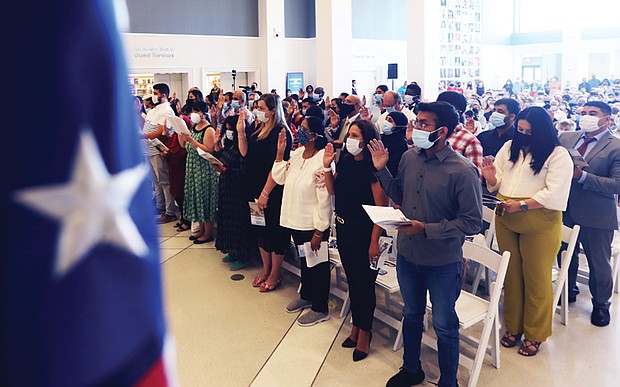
{"x": 232, "y": 122}
{"x": 542, "y": 141}
{"x": 368, "y": 133}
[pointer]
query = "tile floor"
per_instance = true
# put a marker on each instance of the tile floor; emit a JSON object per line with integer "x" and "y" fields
{"x": 229, "y": 334}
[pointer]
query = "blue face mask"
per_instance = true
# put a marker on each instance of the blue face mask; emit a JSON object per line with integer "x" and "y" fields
{"x": 303, "y": 137}
{"x": 378, "y": 98}
{"x": 390, "y": 109}
{"x": 225, "y": 106}
{"x": 234, "y": 104}
{"x": 303, "y": 112}
{"x": 316, "y": 97}
{"x": 387, "y": 128}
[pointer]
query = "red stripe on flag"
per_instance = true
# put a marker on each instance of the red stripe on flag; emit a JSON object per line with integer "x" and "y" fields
{"x": 155, "y": 376}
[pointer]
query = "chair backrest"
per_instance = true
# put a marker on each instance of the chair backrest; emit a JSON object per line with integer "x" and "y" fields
{"x": 488, "y": 215}
{"x": 570, "y": 236}
{"x": 489, "y": 258}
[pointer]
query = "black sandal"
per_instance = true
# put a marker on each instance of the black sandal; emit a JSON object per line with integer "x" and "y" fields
{"x": 525, "y": 349}
{"x": 509, "y": 340}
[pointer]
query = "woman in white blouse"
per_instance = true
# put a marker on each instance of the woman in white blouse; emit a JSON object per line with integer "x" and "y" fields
{"x": 307, "y": 212}
{"x": 533, "y": 175}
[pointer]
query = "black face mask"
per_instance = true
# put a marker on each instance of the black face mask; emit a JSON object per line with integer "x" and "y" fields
{"x": 522, "y": 140}
{"x": 345, "y": 109}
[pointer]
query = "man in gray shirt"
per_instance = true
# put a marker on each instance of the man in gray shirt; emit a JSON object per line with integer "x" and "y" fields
{"x": 440, "y": 191}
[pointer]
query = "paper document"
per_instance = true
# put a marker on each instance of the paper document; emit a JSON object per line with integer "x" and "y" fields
{"x": 257, "y": 216}
{"x": 313, "y": 258}
{"x": 178, "y": 125}
{"x": 209, "y": 157}
{"x": 387, "y": 218}
{"x": 160, "y": 146}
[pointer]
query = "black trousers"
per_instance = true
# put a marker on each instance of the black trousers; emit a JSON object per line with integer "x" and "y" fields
{"x": 314, "y": 280}
{"x": 353, "y": 243}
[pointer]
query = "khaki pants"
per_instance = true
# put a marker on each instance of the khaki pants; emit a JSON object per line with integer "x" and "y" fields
{"x": 533, "y": 238}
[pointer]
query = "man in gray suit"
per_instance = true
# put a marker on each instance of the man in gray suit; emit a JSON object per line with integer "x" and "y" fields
{"x": 592, "y": 203}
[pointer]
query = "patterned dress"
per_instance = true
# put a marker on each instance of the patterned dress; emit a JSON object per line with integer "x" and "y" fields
{"x": 233, "y": 213}
{"x": 200, "y": 204}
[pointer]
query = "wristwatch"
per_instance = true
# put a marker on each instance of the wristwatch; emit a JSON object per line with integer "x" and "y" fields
{"x": 523, "y": 205}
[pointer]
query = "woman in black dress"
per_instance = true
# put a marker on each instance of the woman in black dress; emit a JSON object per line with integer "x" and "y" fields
{"x": 354, "y": 184}
{"x": 233, "y": 212}
{"x": 258, "y": 145}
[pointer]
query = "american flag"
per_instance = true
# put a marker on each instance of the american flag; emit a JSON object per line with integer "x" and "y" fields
{"x": 81, "y": 297}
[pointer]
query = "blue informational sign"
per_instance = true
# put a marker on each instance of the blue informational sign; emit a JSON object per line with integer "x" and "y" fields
{"x": 294, "y": 82}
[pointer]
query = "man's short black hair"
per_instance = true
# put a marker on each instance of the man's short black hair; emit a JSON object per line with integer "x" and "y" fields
{"x": 311, "y": 101}
{"x": 162, "y": 88}
{"x": 455, "y": 99}
{"x": 605, "y": 108}
{"x": 512, "y": 105}
{"x": 413, "y": 89}
{"x": 446, "y": 115}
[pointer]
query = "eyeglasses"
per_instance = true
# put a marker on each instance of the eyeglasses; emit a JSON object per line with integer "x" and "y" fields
{"x": 421, "y": 125}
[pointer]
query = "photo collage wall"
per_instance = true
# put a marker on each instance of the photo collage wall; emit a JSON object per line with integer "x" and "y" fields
{"x": 460, "y": 39}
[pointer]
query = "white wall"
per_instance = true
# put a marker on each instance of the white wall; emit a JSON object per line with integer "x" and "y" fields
{"x": 301, "y": 56}
{"x": 370, "y": 60}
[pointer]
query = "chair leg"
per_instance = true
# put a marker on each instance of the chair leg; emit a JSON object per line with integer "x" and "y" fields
{"x": 482, "y": 350}
{"x": 615, "y": 271}
{"x": 564, "y": 309}
{"x": 346, "y": 304}
{"x": 398, "y": 342}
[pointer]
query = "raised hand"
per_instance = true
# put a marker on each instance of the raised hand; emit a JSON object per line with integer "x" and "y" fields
{"x": 218, "y": 135}
{"x": 488, "y": 169}
{"x": 363, "y": 100}
{"x": 380, "y": 154}
{"x": 334, "y": 120}
{"x": 281, "y": 144}
{"x": 243, "y": 116}
{"x": 365, "y": 113}
{"x": 327, "y": 101}
{"x": 328, "y": 156}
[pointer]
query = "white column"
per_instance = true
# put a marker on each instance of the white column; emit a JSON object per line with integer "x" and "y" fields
{"x": 423, "y": 45}
{"x": 272, "y": 48}
{"x": 334, "y": 52}
{"x": 574, "y": 60}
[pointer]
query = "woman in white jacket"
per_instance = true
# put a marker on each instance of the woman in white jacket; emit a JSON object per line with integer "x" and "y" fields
{"x": 306, "y": 211}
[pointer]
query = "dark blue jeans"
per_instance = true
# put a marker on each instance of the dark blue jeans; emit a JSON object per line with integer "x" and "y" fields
{"x": 444, "y": 285}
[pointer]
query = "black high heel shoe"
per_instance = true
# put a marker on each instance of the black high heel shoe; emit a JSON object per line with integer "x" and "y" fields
{"x": 348, "y": 343}
{"x": 360, "y": 355}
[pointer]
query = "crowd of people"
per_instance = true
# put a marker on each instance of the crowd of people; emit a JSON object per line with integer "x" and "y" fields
{"x": 308, "y": 161}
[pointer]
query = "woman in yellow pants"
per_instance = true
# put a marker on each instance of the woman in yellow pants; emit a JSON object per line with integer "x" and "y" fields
{"x": 533, "y": 174}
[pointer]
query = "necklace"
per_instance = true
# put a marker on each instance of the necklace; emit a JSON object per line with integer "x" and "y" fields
{"x": 303, "y": 159}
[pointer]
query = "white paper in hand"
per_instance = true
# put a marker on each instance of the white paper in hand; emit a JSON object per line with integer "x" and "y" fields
{"x": 387, "y": 218}
{"x": 178, "y": 125}
{"x": 313, "y": 258}
{"x": 384, "y": 247}
{"x": 209, "y": 157}
{"x": 257, "y": 216}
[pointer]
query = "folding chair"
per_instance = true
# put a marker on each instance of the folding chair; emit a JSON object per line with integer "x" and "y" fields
{"x": 559, "y": 275}
{"x": 488, "y": 215}
{"x": 472, "y": 309}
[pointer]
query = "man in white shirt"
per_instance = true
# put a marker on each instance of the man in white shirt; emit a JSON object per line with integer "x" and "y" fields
{"x": 153, "y": 128}
{"x": 393, "y": 103}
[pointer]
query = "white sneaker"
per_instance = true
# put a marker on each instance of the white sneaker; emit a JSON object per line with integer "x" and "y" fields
{"x": 311, "y": 318}
{"x": 297, "y": 305}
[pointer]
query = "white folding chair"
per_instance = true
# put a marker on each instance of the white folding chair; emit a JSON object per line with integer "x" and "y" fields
{"x": 559, "y": 275}
{"x": 472, "y": 309}
{"x": 488, "y": 215}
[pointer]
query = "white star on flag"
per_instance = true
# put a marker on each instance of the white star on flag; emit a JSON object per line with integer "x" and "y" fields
{"x": 92, "y": 207}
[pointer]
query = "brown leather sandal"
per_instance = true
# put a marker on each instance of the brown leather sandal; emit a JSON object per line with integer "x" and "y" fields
{"x": 509, "y": 340}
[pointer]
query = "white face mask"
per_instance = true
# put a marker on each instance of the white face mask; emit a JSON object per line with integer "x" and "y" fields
{"x": 261, "y": 116}
{"x": 155, "y": 98}
{"x": 195, "y": 117}
{"x": 230, "y": 134}
{"x": 497, "y": 119}
{"x": 353, "y": 146}
{"x": 147, "y": 109}
{"x": 408, "y": 99}
{"x": 420, "y": 138}
{"x": 387, "y": 128}
{"x": 589, "y": 124}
